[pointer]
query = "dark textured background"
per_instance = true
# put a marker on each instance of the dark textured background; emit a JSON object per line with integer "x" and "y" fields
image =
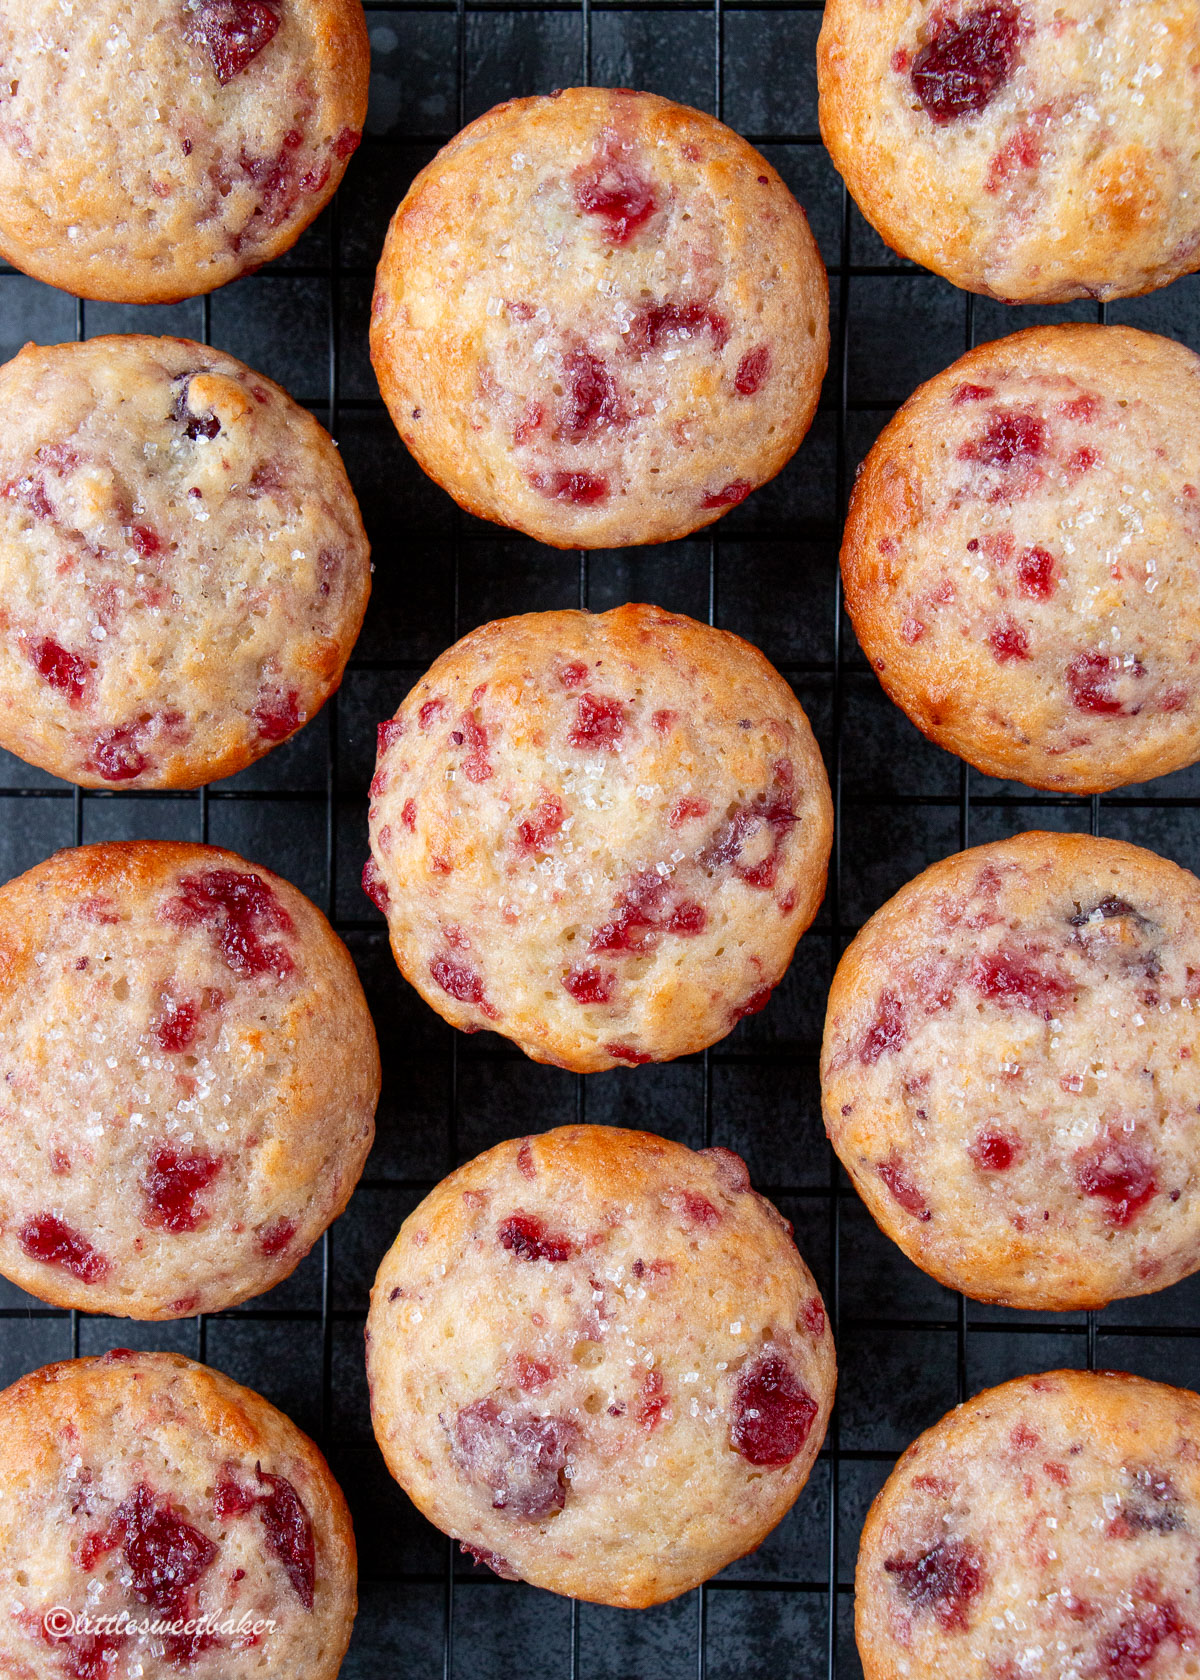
{"x": 908, "y": 1348}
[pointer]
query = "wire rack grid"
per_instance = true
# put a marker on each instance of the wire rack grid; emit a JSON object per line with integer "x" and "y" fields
{"x": 908, "y": 1348}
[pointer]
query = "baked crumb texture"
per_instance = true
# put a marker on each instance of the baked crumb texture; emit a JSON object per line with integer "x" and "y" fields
{"x": 601, "y": 318}
{"x": 598, "y": 1361}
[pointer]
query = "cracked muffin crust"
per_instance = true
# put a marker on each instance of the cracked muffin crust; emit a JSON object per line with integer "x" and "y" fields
{"x": 1022, "y": 557}
{"x": 145, "y": 1484}
{"x": 1048, "y": 1527}
{"x": 596, "y": 1358}
{"x": 1009, "y": 1070}
{"x": 189, "y": 1076}
{"x": 1034, "y": 150}
{"x": 149, "y": 152}
{"x": 183, "y": 568}
{"x": 600, "y": 318}
{"x": 599, "y": 834}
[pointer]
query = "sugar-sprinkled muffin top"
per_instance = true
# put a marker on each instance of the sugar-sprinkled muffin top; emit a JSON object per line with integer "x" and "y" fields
{"x": 597, "y": 1359}
{"x": 1009, "y": 1070}
{"x": 1049, "y": 1527}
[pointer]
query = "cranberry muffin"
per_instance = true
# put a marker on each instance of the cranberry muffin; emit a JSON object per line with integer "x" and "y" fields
{"x": 141, "y": 1488}
{"x": 1049, "y": 1527}
{"x": 601, "y": 318}
{"x": 597, "y": 1359}
{"x": 1035, "y": 150}
{"x": 1022, "y": 557}
{"x": 183, "y": 568}
{"x": 599, "y": 834}
{"x": 190, "y": 1077}
{"x": 149, "y": 152}
{"x": 1009, "y": 1070}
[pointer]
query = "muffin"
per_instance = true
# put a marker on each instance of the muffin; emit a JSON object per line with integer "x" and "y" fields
{"x": 601, "y": 318}
{"x": 596, "y": 1359}
{"x": 599, "y": 834}
{"x": 1034, "y": 150}
{"x": 183, "y": 569}
{"x": 1048, "y": 1527}
{"x": 190, "y": 1077}
{"x": 141, "y": 1488}
{"x": 150, "y": 152}
{"x": 1022, "y": 557}
{"x": 1009, "y": 1071}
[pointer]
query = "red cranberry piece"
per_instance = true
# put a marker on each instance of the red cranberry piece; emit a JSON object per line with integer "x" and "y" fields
{"x": 1083, "y": 408}
{"x": 347, "y": 142}
{"x": 235, "y": 31}
{"x": 490, "y": 1560}
{"x": 966, "y": 61}
{"x": 662, "y": 321}
{"x": 730, "y": 496}
{"x": 92, "y": 1656}
{"x": 1090, "y": 677}
{"x": 1009, "y": 641}
{"x": 684, "y": 810}
{"x": 205, "y": 425}
{"x": 971, "y": 393}
{"x": 1021, "y": 151}
{"x": 67, "y": 672}
{"x": 408, "y": 815}
{"x": 1010, "y": 439}
{"x": 526, "y": 1238}
{"x": 520, "y": 1457}
{"x": 50, "y": 1239}
{"x": 652, "y": 1402}
{"x": 146, "y": 540}
{"x": 599, "y": 723}
{"x": 754, "y": 1004}
{"x": 888, "y": 1031}
{"x": 582, "y": 488}
{"x": 626, "y": 1053}
{"x": 165, "y": 1554}
{"x": 901, "y": 1188}
{"x": 1132, "y": 1646}
{"x": 1035, "y": 574}
{"x": 942, "y": 1580}
{"x": 814, "y": 1316}
{"x": 725, "y": 847}
{"x": 1014, "y": 981}
{"x": 1118, "y": 1173}
{"x": 171, "y": 1185}
{"x": 389, "y": 732}
{"x": 752, "y": 371}
{"x": 278, "y": 715}
{"x": 772, "y": 1412}
{"x": 231, "y": 1499}
{"x": 591, "y": 400}
{"x": 537, "y": 831}
{"x": 572, "y": 675}
{"x": 461, "y": 982}
{"x": 176, "y": 1029}
{"x": 590, "y": 985}
{"x": 644, "y": 911}
{"x": 289, "y": 1533}
{"x": 993, "y": 1151}
{"x": 239, "y": 907}
{"x": 613, "y": 190}
{"x": 375, "y": 887}
{"x": 477, "y": 766}
{"x": 274, "y": 1238}
{"x": 116, "y": 755}
{"x": 699, "y": 1209}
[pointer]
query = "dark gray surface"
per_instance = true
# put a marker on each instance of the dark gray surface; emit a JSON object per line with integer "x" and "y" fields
{"x": 908, "y": 1348}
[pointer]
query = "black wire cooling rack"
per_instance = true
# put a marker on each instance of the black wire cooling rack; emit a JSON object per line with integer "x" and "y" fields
{"x": 908, "y": 1349}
